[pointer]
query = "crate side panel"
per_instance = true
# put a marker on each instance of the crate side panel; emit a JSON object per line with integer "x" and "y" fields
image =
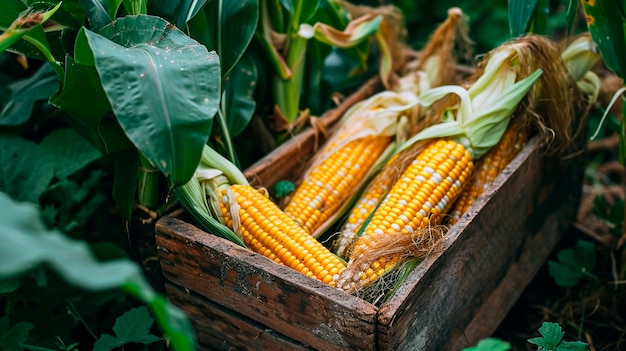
{"x": 258, "y": 288}
{"x": 549, "y": 217}
{"x": 440, "y": 299}
{"x": 496, "y": 305}
{"x": 220, "y": 329}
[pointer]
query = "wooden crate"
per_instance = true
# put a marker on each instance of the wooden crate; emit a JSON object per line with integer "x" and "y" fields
{"x": 239, "y": 300}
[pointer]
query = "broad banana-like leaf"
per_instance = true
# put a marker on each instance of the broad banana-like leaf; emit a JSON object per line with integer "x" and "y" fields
{"x": 163, "y": 87}
{"x": 90, "y": 116}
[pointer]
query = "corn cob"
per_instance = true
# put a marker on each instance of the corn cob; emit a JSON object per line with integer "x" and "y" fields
{"x": 426, "y": 190}
{"x": 269, "y": 231}
{"x": 488, "y": 168}
{"x": 323, "y": 191}
{"x": 361, "y": 210}
{"x": 418, "y": 200}
{"x": 223, "y": 202}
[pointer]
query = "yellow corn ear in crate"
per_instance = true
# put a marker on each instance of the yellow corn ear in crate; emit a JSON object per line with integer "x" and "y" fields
{"x": 269, "y": 231}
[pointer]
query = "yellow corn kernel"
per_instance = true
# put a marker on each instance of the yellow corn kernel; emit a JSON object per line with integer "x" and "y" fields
{"x": 488, "y": 168}
{"x": 330, "y": 184}
{"x": 269, "y": 231}
{"x": 423, "y": 208}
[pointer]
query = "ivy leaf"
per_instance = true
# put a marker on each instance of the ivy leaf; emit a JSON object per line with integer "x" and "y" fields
{"x": 573, "y": 264}
{"x": 552, "y": 339}
{"x": 132, "y": 327}
{"x": 490, "y": 344}
{"x": 12, "y": 338}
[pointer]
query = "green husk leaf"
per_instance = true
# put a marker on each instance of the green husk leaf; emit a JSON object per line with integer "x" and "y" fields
{"x": 212, "y": 159}
{"x": 193, "y": 198}
{"x": 483, "y": 127}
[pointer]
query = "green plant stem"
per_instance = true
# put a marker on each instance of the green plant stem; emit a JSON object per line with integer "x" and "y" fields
{"x": 139, "y": 7}
{"x": 590, "y": 276}
{"x": 148, "y": 187}
{"x": 264, "y": 37}
{"x": 287, "y": 91}
{"x": 228, "y": 143}
{"x": 78, "y": 317}
{"x": 48, "y": 55}
{"x": 622, "y": 158}
{"x": 580, "y": 326}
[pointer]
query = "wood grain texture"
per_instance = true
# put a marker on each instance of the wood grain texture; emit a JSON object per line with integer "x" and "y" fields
{"x": 218, "y": 328}
{"x": 461, "y": 295}
{"x": 274, "y": 295}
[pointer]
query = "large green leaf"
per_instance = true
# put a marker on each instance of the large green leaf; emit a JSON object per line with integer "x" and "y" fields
{"x": 67, "y": 152}
{"x": 27, "y": 168}
{"x": 25, "y": 93}
{"x": 179, "y": 12}
{"x": 239, "y": 96}
{"x": 22, "y": 175}
{"x": 606, "y": 25}
{"x": 99, "y": 12}
{"x": 83, "y": 99}
{"x": 520, "y": 15}
{"x": 231, "y": 26}
{"x": 27, "y": 244}
{"x": 163, "y": 86}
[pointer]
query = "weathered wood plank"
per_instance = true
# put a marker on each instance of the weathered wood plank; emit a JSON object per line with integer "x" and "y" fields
{"x": 218, "y": 328}
{"x": 463, "y": 293}
{"x": 273, "y": 295}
